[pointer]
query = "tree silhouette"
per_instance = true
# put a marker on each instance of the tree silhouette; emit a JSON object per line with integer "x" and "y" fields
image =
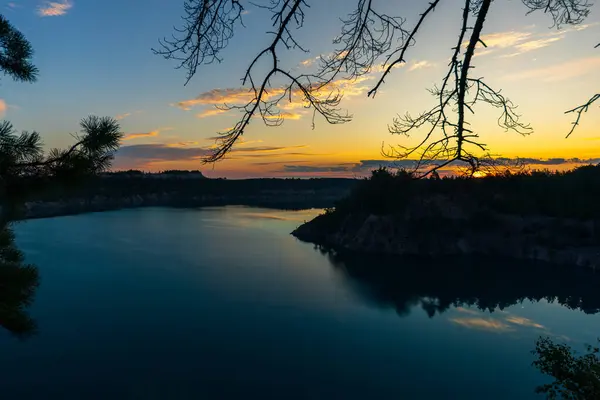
{"x": 575, "y": 376}
{"x": 24, "y": 168}
{"x": 15, "y": 58}
{"x": 370, "y": 42}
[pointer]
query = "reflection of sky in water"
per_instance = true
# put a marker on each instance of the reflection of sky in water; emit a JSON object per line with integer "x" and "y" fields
{"x": 224, "y": 303}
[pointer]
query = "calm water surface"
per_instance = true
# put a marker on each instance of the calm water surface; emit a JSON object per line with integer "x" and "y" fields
{"x": 223, "y": 303}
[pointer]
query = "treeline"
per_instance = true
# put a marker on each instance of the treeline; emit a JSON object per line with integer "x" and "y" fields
{"x": 130, "y": 183}
{"x": 571, "y": 194}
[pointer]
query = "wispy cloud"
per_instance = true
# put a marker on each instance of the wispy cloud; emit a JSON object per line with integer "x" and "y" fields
{"x": 560, "y": 72}
{"x": 285, "y": 115}
{"x": 3, "y": 108}
{"x": 533, "y": 45}
{"x": 420, "y": 65}
{"x": 308, "y": 169}
{"x": 211, "y": 112}
{"x": 218, "y": 96}
{"x": 190, "y": 151}
{"x": 122, "y": 116}
{"x": 310, "y": 61}
{"x": 467, "y": 311}
{"x": 54, "y": 9}
{"x": 504, "y": 40}
{"x": 132, "y": 136}
{"x": 484, "y": 324}
{"x": 230, "y": 96}
{"x": 266, "y": 149}
{"x": 12, "y": 5}
{"x": 524, "y": 41}
{"x": 159, "y": 152}
{"x": 526, "y": 322}
{"x": 506, "y": 323}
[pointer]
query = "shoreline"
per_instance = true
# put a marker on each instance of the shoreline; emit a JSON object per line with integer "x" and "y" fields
{"x": 75, "y": 206}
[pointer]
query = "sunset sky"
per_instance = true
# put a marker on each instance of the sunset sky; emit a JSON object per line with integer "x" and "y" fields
{"x": 95, "y": 58}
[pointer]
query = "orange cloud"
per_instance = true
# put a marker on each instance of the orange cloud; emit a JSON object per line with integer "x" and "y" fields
{"x": 503, "y": 40}
{"x": 216, "y": 97}
{"x": 132, "y": 136}
{"x": 524, "y": 322}
{"x": 211, "y": 112}
{"x": 220, "y": 96}
{"x": 484, "y": 324}
{"x": 54, "y": 9}
{"x": 3, "y": 107}
{"x": 285, "y": 115}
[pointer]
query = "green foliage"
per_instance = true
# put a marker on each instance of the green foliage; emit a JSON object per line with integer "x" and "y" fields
{"x": 575, "y": 376}
{"x": 15, "y": 53}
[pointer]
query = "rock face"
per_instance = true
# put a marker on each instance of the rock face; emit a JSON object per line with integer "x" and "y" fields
{"x": 445, "y": 230}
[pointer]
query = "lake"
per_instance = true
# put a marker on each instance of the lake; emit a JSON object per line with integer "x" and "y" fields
{"x": 222, "y": 303}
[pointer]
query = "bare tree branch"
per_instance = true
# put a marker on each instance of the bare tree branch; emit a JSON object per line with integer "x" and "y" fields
{"x": 402, "y": 49}
{"x": 266, "y": 98}
{"x": 370, "y": 41}
{"x": 563, "y": 12}
{"x": 208, "y": 27}
{"x": 579, "y": 110}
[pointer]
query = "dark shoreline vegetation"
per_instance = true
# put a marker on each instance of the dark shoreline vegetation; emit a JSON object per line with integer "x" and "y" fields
{"x": 536, "y": 215}
{"x": 488, "y": 284}
{"x": 187, "y": 189}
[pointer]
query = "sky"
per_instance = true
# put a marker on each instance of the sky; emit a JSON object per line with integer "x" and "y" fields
{"x": 95, "y": 58}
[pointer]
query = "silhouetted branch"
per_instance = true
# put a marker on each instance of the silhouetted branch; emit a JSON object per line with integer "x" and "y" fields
{"x": 208, "y": 27}
{"x": 579, "y": 110}
{"x": 448, "y": 137}
{"x": 22, "y": 160}
{"x": 267, "y": 98}
{"x": 15, "y": 57}
{"x": 563, "y": 12}
{"x": 368, "y": 39}
{"x": 403, "y": 48}
{"x": 366, "y": 36}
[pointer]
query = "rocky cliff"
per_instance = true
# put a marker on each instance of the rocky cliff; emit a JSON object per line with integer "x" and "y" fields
{"x": 437, "y": 227}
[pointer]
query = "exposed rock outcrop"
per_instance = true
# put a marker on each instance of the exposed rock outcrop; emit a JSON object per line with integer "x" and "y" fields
{"x": 438, "y": 227}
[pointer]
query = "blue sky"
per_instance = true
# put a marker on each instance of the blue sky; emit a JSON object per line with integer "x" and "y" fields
{"x": 95, "y": 57}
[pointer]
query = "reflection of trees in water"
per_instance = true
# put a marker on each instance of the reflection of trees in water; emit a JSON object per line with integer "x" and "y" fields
{"x": 18, "y": 282}
{"x": 437, "y": 285}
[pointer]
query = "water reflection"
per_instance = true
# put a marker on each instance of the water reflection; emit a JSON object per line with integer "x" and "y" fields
{"x": 489, "y": 285}
{"x": 18, "y": 282}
